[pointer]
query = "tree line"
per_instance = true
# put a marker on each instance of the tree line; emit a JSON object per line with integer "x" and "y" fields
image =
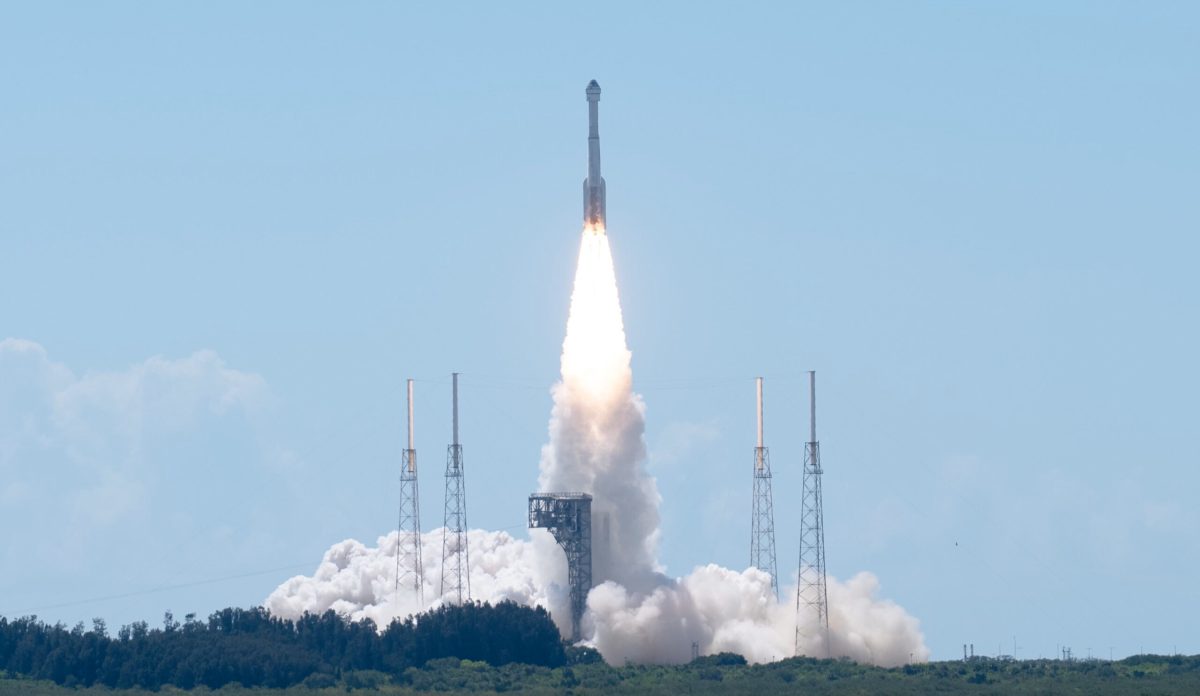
{"x": 254, "y": 648}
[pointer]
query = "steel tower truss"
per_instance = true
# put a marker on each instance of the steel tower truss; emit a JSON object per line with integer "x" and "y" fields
{"x": 812, "y": 599}
{"x": 409, "y": 571}
{"x": 456, "y": 566}
{"x": 568, "y": 516}
{"x": 762, "y": 514}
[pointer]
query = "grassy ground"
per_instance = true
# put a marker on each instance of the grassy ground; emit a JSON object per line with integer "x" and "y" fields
{"x": 1143, "y": 675}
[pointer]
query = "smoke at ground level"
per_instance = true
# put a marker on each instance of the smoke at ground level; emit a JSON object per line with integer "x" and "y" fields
{"x": 716, "y": 608}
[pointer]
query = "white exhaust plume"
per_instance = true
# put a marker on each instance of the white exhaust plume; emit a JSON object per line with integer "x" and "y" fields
{"x": 596, "y": 429}
{"x": 634, "y": 612}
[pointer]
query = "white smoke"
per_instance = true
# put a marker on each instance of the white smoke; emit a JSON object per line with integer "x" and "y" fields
{"x": 722, "y": 610}
{"x": 359, "y": 582}
{"x": 634, "y": 612}
{"x": 596, "y": 429}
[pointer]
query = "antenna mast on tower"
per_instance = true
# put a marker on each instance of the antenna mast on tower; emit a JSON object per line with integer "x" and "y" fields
{"x": 409, "y": 572}
{"x": 456, "y": 566}
{"x": 812, "y": 601}
{"x": 762, "y": 515}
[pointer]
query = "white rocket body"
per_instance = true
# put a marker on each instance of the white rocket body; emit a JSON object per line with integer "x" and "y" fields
{"x": 593, "y": 185}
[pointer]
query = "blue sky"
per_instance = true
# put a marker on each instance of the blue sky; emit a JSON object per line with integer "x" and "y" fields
{"x": 228, "y": 232}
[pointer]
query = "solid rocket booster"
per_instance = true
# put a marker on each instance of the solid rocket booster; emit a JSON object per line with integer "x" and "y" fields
{"x": 593, "y": 185}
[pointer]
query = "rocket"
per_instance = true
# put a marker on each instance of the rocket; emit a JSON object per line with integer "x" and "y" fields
{"x": 593, "y": 185}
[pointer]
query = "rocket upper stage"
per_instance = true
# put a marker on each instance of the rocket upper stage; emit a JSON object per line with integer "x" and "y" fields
{"x": 593, "y": 185}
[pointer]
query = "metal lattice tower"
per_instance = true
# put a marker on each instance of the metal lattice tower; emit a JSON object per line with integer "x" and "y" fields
{"x": 409, "y": 572}
{"x": 812, "y": 600}
{"x": 456, "y": 563}
{"x": 762, "y": 515}
{"x": 568, "y": 516}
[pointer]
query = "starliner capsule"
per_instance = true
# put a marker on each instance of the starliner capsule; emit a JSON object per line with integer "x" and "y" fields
{"x": 593, "y": 185}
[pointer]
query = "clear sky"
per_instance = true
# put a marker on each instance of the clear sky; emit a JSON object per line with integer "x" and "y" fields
{"x": 229, "y": 231}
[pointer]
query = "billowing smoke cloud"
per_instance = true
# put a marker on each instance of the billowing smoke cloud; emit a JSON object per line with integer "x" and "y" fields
{"x": 359, "y": 582}
{"x": 634, "y": 611}
{"x": 596, "y": 429}
{"x": 716, "y": 608}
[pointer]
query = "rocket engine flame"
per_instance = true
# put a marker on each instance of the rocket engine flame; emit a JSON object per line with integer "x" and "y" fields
{"x": 595, "y": 359}
{"x": 597, "y": 424}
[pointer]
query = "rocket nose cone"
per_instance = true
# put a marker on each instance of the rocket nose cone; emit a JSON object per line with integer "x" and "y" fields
{"x": 593, "y": 87}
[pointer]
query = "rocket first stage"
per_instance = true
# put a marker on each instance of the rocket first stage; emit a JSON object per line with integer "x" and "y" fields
{"x": 593, "y": 185}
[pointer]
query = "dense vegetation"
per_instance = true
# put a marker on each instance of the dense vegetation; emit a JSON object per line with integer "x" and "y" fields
{"x": 728, "y": 674}
{"x": 253, "y": 648}
{"x": 480, "y": 648}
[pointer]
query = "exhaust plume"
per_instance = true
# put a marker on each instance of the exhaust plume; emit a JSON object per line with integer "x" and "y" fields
{"x": 634, "y": 612}
{"x": 597, "y": 426}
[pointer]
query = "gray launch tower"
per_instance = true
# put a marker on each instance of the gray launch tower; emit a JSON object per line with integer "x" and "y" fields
{"x": 812, "y": 600}
{"x": 762, "y": 515}
{"x": 568, "y": 516}
{"x": 456, "y": 566}
{"x": 409, "y": 572}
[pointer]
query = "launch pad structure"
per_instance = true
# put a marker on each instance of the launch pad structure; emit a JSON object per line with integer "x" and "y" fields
{"x": 568, "y": 517}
